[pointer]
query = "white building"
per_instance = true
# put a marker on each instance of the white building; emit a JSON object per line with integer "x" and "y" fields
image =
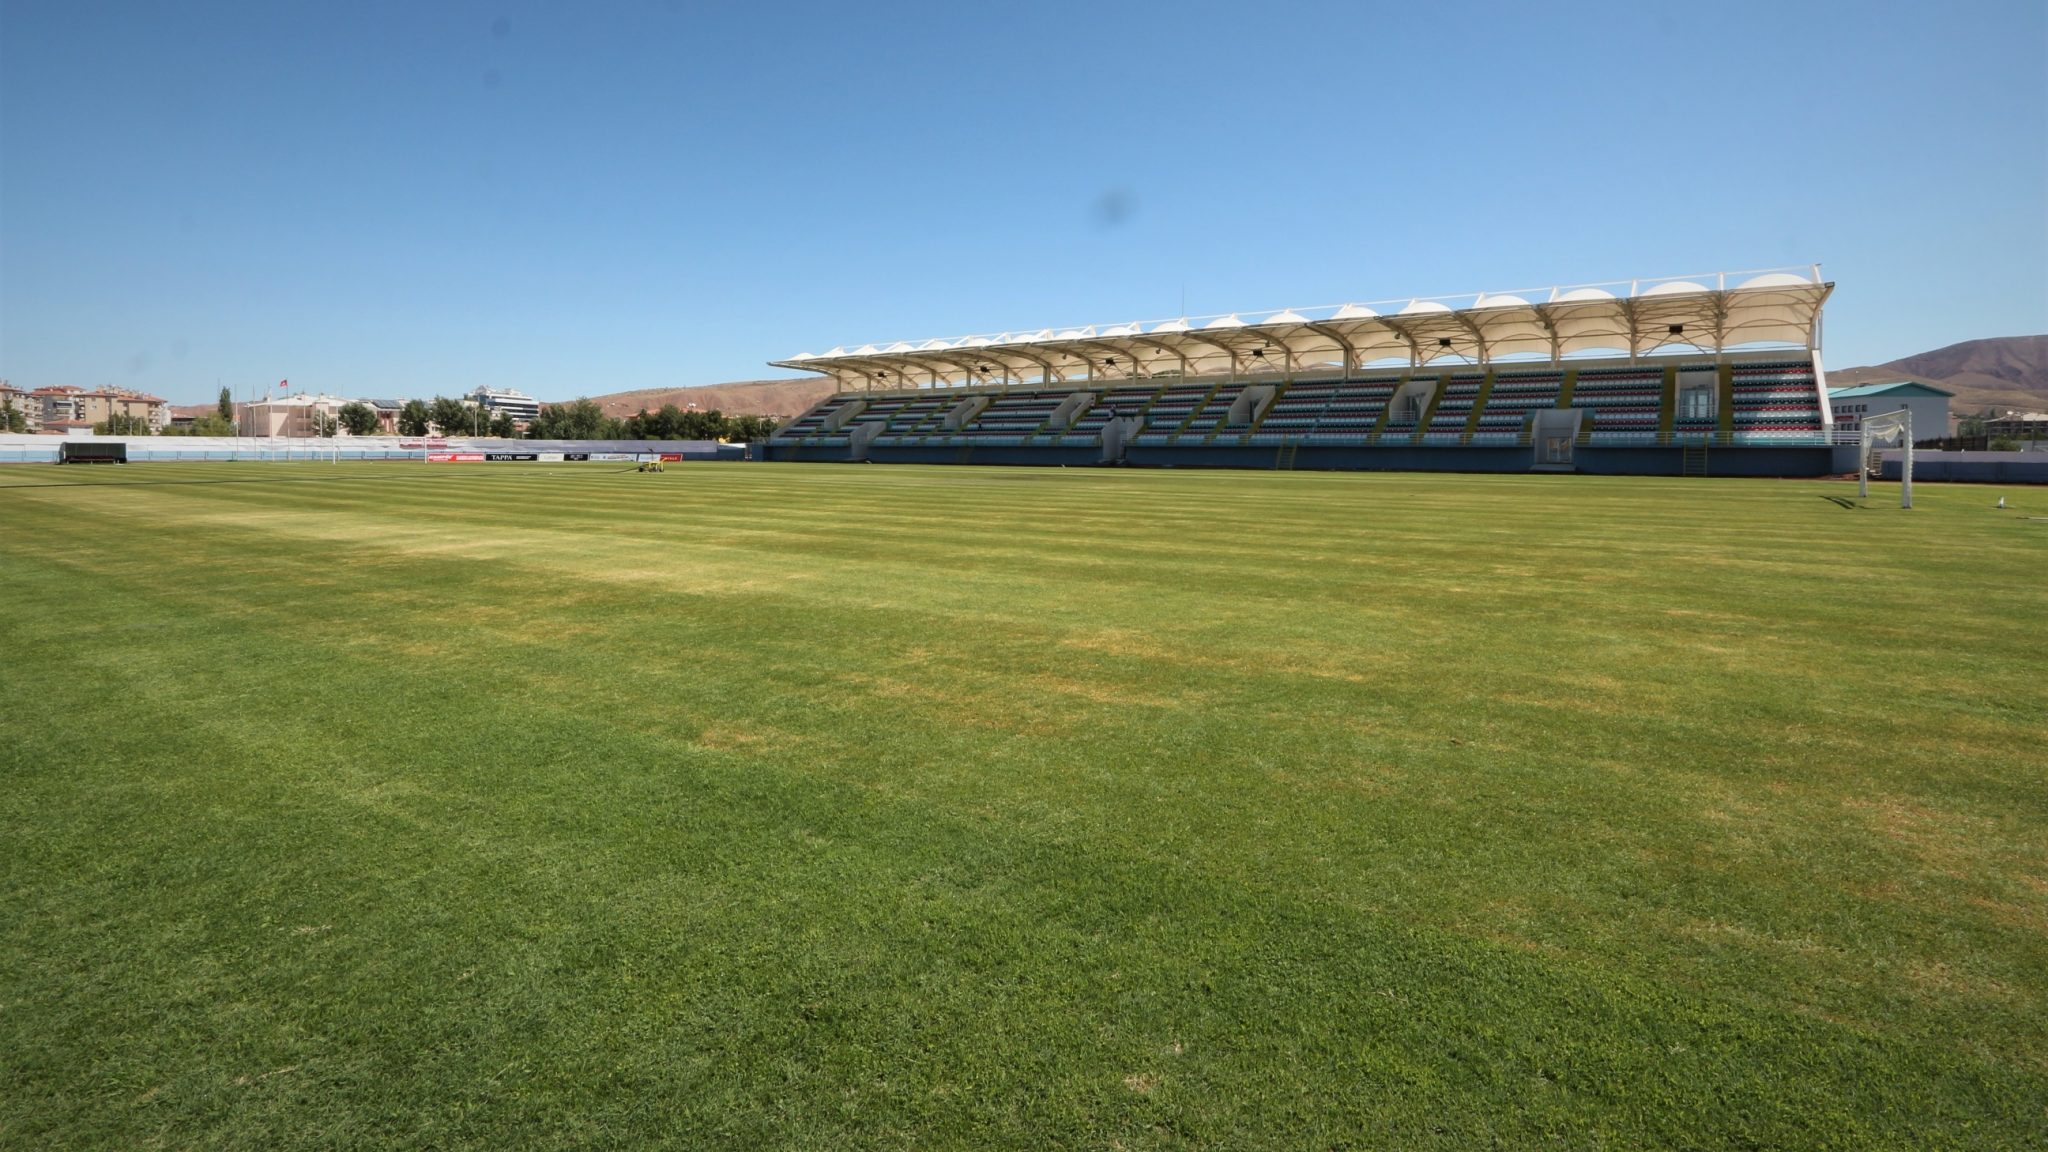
{"x": 515, "y": 404}
{"x": 23, "y": 402}
{"x": 2026, "y": 427}
{"x": 1928, "y": 404}
{"x": 288, "y": 416}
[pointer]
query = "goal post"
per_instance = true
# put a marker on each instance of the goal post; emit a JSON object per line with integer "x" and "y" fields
{"x": 1884, "y": 428}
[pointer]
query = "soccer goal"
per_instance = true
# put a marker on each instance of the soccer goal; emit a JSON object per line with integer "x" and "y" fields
{"x": 1884, "y": 428}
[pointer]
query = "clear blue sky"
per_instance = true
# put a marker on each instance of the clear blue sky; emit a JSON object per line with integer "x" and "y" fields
{"x": 408, "y": 198}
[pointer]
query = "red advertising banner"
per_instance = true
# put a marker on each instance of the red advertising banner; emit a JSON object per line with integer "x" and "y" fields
{"x": 455, "y": 457}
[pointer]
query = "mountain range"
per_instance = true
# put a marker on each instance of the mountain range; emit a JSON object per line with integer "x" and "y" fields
{"x": 735, "y": 398}
{"x": 2004, "y": 372}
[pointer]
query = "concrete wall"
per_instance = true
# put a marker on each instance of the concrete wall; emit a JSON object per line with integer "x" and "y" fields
{"x": 837, "y": 418}
{"x": 962, "y": 414}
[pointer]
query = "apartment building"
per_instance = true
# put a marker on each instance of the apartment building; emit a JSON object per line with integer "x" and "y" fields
{"x": 22, "y": 401}
{"x": 70, "y": 407}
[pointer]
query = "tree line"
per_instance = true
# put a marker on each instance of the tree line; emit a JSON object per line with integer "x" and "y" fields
{"x": 448, "y": 417}
{"x": 584, "y": 420}
{"x": 576, "y": 420}
{"x": 219, "y": 422}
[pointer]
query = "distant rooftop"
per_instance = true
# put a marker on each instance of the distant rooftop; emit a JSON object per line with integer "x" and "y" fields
{"x": 298, "y": 399}
{"x": 1895, "y": 388}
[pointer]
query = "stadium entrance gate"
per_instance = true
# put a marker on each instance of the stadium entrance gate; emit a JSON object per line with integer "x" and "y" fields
{"x": 1554, "y": 431}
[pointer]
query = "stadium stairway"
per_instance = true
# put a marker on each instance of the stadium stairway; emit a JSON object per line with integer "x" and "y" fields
{"x": 1170, "y": 412}
{"x": 1208, "y": 399}
{"x": 1479, "y": 403}
{"x": 1724, "y": 402}
{"x": 1667, "y": 405}
{"x": 1565, "y": 389}
{"x": 1626, "y": 402}
{"x": 1448, "y": 420}
{"x": 1259, "y": 418}
{"x": 1386, "y": 415}
{"x": 1512, "y": 399}
{"x": 1110, "y": 403}
{"x": 1207, "y": 415}
{"x": 1422, "y": 422}
{"x": 1295, "y": 412}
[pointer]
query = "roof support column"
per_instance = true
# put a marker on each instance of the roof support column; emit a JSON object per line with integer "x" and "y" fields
{"x": 1478, "y": 335}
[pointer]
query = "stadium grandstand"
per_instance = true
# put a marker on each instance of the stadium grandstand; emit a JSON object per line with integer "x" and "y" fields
{"x": 1698, "y": 374}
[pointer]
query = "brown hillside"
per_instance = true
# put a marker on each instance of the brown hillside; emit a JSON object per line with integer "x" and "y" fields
{"x": 1973, "y": 393}
{"x": 2000, "y": 373}
{"x": 740, "y": 398}
{"x": 2021, "y": 360}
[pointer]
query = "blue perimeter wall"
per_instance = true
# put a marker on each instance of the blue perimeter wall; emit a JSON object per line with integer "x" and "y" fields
{"x": 1748, "y": 460}
{"x": 1972, "y": 467}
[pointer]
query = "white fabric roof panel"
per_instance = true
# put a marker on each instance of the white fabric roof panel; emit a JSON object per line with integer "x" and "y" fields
{"x": 1711, "y": 313}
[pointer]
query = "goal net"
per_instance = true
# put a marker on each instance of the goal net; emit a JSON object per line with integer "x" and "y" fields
{"x": 1886, "y": 428}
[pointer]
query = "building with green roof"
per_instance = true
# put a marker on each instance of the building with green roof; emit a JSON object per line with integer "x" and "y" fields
{"x": 1928, "y": 404}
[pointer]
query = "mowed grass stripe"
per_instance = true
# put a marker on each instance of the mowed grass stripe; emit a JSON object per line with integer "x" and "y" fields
{"x": 905, "y": 852}
{"x": 287, "y": 743}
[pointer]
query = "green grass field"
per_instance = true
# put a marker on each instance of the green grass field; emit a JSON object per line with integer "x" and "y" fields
{"x": 875, "y": 807}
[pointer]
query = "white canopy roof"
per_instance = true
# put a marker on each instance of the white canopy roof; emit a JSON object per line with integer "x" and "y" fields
{"x": 1630, "y": 318}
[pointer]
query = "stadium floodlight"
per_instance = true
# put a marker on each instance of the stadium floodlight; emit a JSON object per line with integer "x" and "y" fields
{"x": 1886, "y": 427}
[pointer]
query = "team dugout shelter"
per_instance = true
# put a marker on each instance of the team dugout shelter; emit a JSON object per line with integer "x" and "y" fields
{"x": 1718, "y": 374}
